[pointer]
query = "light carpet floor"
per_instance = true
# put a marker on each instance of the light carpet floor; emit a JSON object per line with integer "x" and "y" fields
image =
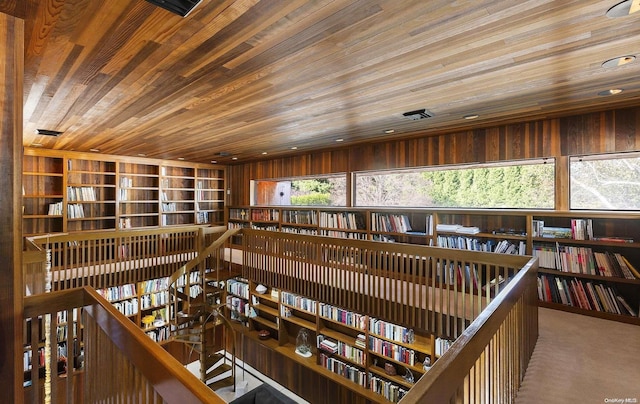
{"x": 582, "y": 359}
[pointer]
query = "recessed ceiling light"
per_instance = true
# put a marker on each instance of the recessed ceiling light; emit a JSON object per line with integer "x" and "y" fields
{"x": 389, "y": 131}
{"x": 234, "y": 158}
{"x": 142, "y": 155}
{"x": 623, "y": 8}
{"x": 294, "y": 147}
{"x": 619, "y": 61}
{"x": 612, "y": 91}
{"x": 264, "y": 152}
{"x": 214, "y": 161}
{"x": 181, "y": 158}
{"x": 94, "y": 150}
{"x": 340, "y": 140}
{"x": 471, "y": 116}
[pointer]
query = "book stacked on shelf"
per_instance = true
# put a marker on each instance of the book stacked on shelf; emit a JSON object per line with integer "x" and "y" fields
{"x": 456, "y": 228}
{"x": 390, "y": 223}
{"x": 299, "y": 302}
{"x": 442, "y": 346}
{"x": 389, "y": 390}
{"x": 339, "y": 367}
{"x": 582, "y": 229}
{"x": 327, "y": 345}
{"x": 391, "y": 350}
{"x": 55, "y": 209}
{"x": 474, "y": 244}
{"x": 583, "y": 294}
{"x": 583, "y": 260}
{"x": 347, "y": 317}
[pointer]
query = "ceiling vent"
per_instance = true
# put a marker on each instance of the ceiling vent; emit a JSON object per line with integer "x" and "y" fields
{"x": 418, "y": 114}
{"x": 180, "y": 7}
{"x": 47, "y": 132}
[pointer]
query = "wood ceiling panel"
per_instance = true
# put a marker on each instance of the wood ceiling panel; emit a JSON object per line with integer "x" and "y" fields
{"x": 250, "y": 76}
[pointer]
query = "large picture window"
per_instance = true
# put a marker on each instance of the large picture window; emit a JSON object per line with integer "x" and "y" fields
{"x": 520, "y": 184}
{"x": 605, "y": 182}
{"x": 329, "y": 190}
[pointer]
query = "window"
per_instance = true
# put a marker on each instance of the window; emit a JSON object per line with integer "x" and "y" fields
{"x": 519, "y": 184}
{"x": 330, "y": 190}
{"x": 605, "y": 182}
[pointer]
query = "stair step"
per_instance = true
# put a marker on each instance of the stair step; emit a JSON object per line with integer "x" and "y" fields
{"x": 212, "y": 360}
{"x": 217, "y": 371}
{"x": 226, "y": 382}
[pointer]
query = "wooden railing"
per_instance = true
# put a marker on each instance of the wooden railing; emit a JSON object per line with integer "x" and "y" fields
{"x": 487, "y": 363}
{"x": 438, "y": 290}
{"x": 486, "y": 302}
{"x": 121, "y": 364}
{"x": 111, "y": 258}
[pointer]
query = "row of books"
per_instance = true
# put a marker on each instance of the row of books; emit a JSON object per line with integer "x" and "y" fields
{"x": 299, "y": 302}
{"x": 489, "y": 245}
{"x": 391, "y": 331}
{"x": 343, "y": 234}
{"x": 239, "y": 307}
{"x": 154, "y": 300}
{"x": 299, "y": 230}
{"x": 390, "y": 223}
{"x": 127, "y": 307}
{"x": 584, "y": 260}
{"x": 62, "y": 332}
{"x": 583, "y": 294}
{"x": 391, "y": 350}
{"x": 159, "y": 334}
{"x": 387, "y": 389}
{"x": 265, "y": 215}
{"x": 55, "y": 209}
{"x": 118, "y": 292}
{"x": 62, "y": 316}
{"x": 343, "y": 349}
{"x": 75, "y": 211}
{"x": 352, "y": 373}
{"x": 580, "y": 229}
{"x": 341, "y": 220}
{"x": 343, "y": 316}
{"x": 192, "y": 277}
{"x": 238, "y": 288}
{"x": 154, "y": 285}
{"x": 300, "y": 217}
{"x": 81, "y": 194}
{"x": 202, "y": 217}
{"x": 442, "y": 345}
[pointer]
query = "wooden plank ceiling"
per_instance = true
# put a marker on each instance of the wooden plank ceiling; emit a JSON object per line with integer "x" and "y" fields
{"x": 239, "y": 78}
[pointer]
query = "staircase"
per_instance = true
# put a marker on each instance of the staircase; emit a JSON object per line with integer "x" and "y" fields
{"x": 197, "y": 317}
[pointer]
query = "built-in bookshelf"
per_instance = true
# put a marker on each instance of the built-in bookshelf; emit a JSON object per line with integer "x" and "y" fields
{"x": 91, "y": 194}
{"x": 42, "y": 194}
{"x": 67, "y": 343}
{"x": 71, "y": 192}
{"x": 138, "y": 195}
{"x": 600, "y": 248}
{"x": 365, "y": 354}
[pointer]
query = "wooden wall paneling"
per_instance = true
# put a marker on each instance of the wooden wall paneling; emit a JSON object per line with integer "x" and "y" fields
{"x": 597, "y": 132}
{"x": 11, "y": 282}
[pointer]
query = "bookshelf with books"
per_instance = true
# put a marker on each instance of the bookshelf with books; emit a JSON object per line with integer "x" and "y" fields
{"x": 67, "y": 191}
{"x": 300, "y": 221}
{"x": 67, "y": 340}
{"x": 91, "y": 194}
{"x": 124, "y": 298}
{"x": 264, "y": 314}
{"x": 42, "y": 194}
{"x": 405, "y": 226}
{"x": 209, "y": 196}
{"x": 153, "y": 298}
{"x": 177, "y": 195}
{"x": 138, "y": 195}
{"x": 589, "y": 263}
{"x": 237, "y": 300}
{"x": 343, "y": 223}
{"x": 500, "y": 232}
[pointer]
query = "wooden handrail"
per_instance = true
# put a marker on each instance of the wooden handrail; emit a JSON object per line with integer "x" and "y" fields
{"x": 151, "y": 365}
{"x": 449, "y": 372}
{"x": 218, "y": 243}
